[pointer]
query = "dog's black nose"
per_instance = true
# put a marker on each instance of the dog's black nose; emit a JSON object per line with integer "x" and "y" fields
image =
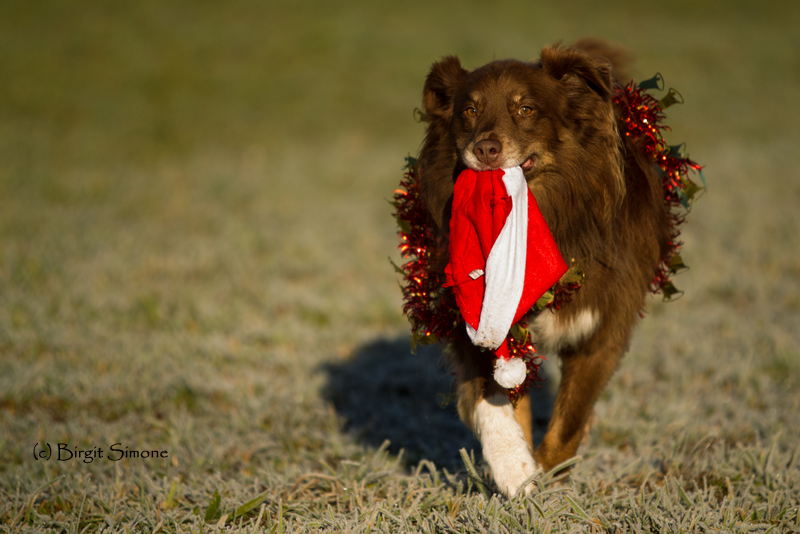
{"x": 487, "y": 151}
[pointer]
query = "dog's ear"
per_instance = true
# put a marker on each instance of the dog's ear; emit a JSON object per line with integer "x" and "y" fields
{"x": 595, "y": 71}
{"x": 440, "y": 86}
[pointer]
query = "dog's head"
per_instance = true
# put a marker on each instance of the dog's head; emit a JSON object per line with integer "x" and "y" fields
{"x": 553, "y": 117}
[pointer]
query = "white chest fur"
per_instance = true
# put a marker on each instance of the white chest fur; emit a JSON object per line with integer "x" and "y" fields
{"x": 551, "y": 332}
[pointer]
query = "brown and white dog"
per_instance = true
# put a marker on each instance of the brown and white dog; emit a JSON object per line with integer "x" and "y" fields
{"x": 603, "y": 202}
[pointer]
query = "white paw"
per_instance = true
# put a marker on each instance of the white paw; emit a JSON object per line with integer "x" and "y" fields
{"x": 510, "y": 472}
{"x": 504, "y": 446}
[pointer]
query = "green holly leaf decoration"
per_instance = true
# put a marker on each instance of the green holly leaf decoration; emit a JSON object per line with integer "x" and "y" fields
{"x": 676, "y": 264}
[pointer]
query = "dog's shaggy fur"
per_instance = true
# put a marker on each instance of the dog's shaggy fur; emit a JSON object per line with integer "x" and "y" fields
{"x": 603, "y": 202}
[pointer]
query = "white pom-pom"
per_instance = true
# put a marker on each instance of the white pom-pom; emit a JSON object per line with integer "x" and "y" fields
{"x": 510, "y": 373}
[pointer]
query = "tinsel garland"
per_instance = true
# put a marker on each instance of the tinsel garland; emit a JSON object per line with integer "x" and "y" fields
{"x": 431, "y": 308}
{"x": 640, "y": 118}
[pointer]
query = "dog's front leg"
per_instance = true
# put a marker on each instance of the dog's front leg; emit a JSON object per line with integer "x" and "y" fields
{"x": 485, "y": 408}
{"x": 504, "y": 445}
{"x": 584, "y": 373}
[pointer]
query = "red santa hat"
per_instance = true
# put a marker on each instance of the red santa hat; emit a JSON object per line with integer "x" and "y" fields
{"x": 503, "y": 258}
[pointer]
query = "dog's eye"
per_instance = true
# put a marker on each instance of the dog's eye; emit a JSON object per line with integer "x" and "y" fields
{"x": 525, "y": 110}
{"x": 471, "y": 112}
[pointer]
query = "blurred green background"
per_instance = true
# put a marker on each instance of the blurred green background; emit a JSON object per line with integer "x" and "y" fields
{"x": 193, "y": 209}
{"x": 286, "y": 123}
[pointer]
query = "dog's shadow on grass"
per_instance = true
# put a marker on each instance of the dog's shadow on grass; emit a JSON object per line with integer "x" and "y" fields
{"x": 384, "y": 392}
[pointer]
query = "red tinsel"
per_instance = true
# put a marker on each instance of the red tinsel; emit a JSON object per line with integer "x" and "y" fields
{"x": 431, "y": 308}
{"x": 640, "y": 116}
{"x": 432, "y": 319}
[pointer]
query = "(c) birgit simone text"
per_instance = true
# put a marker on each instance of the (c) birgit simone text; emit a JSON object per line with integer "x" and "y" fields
{"x": 116, "y": 452}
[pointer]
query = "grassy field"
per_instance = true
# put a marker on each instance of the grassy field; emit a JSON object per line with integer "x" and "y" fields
{"x": 193, "y": 260}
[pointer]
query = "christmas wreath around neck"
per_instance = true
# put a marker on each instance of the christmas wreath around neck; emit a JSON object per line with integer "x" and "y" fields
{"x": 436, "y": 302}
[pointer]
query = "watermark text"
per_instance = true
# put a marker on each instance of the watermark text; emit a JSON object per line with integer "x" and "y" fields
{"x": 64, "y": 452}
